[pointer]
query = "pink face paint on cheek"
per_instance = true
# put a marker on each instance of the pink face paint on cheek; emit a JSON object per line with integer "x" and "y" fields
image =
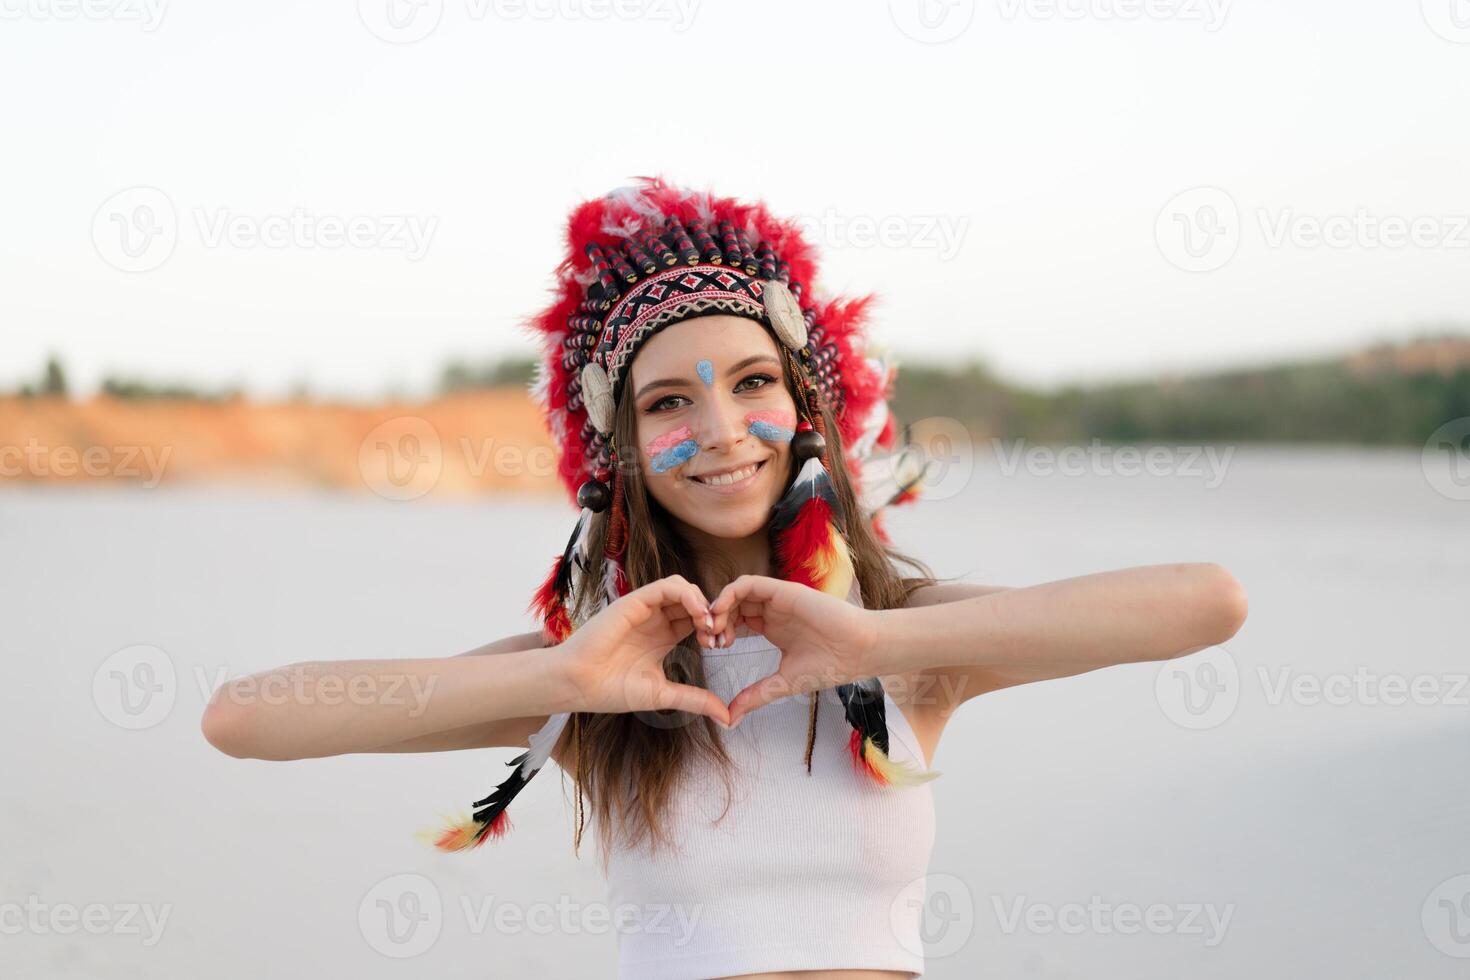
{"x": 673, "y": 448}
{"x": 772, "y": 425}
{"x": 668, "y": 440}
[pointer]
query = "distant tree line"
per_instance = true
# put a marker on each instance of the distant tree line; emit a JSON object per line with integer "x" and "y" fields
{"x": 1317, "y": 401}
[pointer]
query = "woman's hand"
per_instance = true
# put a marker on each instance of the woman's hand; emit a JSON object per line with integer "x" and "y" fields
{"x": 823, "y": 640}
{"x": 615, "y": 659}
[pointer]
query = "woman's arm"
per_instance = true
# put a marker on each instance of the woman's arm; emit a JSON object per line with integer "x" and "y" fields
{"x": 958, "y": 641}
{"x": 996, "y": 638}
{"x": 315, "y": 709}
{"x": 613, "y": 663}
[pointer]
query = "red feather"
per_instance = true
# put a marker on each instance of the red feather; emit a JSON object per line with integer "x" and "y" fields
{"x": 809, "y": 535}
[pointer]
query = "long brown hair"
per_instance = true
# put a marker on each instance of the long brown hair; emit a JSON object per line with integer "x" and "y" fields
{"x": 628, "y": 764}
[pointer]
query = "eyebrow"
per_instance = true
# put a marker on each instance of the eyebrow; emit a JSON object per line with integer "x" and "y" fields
{"x": 684, "y": 382}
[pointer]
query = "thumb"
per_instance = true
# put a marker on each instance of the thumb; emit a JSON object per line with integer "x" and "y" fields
{"x": 770, "y": 688}
{"x": 696, "y": 700}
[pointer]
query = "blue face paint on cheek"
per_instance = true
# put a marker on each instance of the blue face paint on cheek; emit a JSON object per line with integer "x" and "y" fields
{"x": 770, "y": 433}
{"x": 771, "y": 425}
{"x": 706, "y": 372}
{"x": 673, "y": 456}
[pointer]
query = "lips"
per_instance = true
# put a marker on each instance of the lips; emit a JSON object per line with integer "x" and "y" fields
{"x": 729, "y": 481}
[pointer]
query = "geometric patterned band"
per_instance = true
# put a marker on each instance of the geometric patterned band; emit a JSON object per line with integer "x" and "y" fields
{"x": 667, "y": 296}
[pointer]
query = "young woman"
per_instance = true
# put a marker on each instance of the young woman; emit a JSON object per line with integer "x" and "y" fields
{"x": 730, "y": 666}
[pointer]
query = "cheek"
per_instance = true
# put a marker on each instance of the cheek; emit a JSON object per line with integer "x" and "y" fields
{"x": 772, "y": 425}
{"x": 670, "y": 449}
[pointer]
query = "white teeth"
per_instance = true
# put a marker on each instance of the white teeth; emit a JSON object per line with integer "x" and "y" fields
{"x": 725, "y": 479}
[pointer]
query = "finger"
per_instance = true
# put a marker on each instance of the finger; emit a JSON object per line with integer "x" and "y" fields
{"x": 725, "y": 628}
{"x": 761, "y": 588}
{"x": 760, "y": 694}
{"x": 696, "y": 700}
{"x": 680, "y": 590}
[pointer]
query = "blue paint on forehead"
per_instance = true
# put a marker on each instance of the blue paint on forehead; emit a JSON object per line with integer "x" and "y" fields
{"x": 706, "y": 372}
{"x": 674, "y": 455}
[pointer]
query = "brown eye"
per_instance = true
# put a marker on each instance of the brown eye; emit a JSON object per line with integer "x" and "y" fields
{"x": 666, "y": 398}
{"x": 765, "y": 379}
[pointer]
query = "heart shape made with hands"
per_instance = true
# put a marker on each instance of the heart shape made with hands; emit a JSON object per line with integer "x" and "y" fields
{"x": 823, "y": 640}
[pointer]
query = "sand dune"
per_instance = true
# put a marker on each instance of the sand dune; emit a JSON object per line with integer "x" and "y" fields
{"x": 469, "y": 443}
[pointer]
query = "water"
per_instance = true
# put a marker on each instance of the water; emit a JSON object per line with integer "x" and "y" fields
{"x": 1291, "y": 834}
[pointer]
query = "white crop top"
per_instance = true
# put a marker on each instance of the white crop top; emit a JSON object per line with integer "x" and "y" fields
{"x": 804, "y": 872}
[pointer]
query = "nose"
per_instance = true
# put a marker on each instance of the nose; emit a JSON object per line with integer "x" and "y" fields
{"x": 721, "y": 425}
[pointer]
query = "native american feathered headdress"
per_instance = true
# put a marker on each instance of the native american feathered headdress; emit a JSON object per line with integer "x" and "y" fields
{"x": 639, "y": 259}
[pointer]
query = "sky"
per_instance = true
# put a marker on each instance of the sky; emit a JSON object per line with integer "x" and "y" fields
{"x": 348, "y": 195}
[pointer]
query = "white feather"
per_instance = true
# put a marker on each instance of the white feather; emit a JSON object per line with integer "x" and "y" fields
{"x": 542, "y": 743}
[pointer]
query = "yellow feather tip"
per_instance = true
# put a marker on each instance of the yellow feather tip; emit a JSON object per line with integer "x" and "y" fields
{"x": 457, "y": 833}
{"x": 893, "y": 772}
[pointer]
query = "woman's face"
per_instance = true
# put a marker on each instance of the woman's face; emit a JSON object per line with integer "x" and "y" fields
{"x": 715, "y": 423}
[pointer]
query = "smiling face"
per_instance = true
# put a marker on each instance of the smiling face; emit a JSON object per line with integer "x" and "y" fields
{"x": 714, "y": 422}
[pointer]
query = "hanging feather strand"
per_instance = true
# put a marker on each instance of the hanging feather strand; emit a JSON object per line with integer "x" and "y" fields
{"x": 807, "y": 527}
